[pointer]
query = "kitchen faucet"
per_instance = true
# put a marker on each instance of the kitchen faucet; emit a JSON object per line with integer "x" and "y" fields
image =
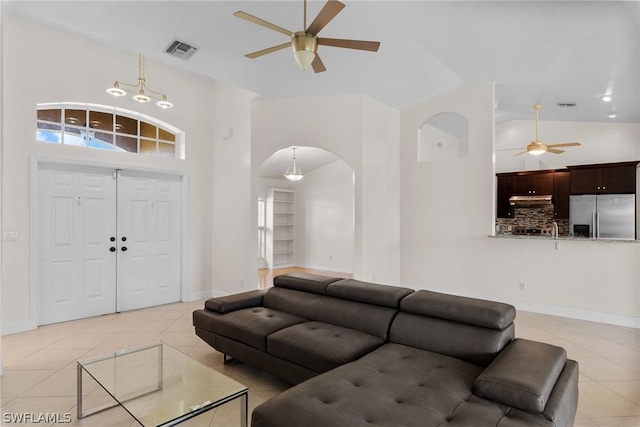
{"x": 554, "y": 233}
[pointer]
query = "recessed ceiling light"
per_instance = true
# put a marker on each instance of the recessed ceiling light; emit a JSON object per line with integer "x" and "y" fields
{"x": 607, "y": 98}
{"x": 612, "y": 115}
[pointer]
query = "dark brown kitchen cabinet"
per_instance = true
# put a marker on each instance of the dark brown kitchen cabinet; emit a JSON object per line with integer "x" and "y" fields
{"x": 609, "y": 178}
{"x": 533, "y": 183}
{"x": 561, "y": 191}
{"x": 504, "y": 193}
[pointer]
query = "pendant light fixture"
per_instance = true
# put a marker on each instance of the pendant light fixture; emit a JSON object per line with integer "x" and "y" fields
{"x": 293, "y": 172}
{"x": 140, "y": 90}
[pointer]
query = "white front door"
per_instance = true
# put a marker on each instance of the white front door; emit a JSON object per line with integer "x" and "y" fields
{"x": 107, "y": 240}
{"x": 149, "y": 239}
{"x": 76, "y": 223}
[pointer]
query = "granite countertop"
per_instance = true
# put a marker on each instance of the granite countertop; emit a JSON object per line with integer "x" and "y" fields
{"x": 561, "y": 238}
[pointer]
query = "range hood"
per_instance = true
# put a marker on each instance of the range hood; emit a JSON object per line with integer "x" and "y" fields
{"x": 531, "y": 200}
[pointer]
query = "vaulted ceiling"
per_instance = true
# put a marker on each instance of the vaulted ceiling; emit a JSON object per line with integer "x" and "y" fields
{"x": 545, "y": 52}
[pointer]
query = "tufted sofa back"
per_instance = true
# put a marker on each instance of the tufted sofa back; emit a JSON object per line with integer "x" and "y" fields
{"x": 465, "y": 328}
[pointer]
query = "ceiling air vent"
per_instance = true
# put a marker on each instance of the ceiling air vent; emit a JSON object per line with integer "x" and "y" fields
{"x": 181, "y": 50}
{"x": 566, "y": 104}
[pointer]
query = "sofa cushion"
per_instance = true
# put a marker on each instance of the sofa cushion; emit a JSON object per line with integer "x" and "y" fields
{"x": 313, "y": 283}
{"x": 371, "y": 293}
{"x": 252, "y": 325}
{"x": 393, "y": 386}
{"x": 370, "y": 319}
{"x": 488, "y": 314}
{"x": 523, "y": 375}
{"x": 320, "y": 346}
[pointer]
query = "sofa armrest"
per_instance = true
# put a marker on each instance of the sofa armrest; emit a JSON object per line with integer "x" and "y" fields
{"x": 563, "y": 403}
{"x": 522, "y": 375}
{"x": 235, "y": 302}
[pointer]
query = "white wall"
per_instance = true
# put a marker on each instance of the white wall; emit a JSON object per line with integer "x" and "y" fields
{"x": 447, "y": 216}
{"x": 1, "y": 228}
{"x": 34, "y": 73}
{"x": 601, "y": 143}
{"x": 233, "y": 260}
{"x": 324, "y": 227}
{"x": 363, "y": 133}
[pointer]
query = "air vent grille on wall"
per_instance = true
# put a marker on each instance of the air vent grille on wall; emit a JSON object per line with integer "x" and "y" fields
{"x": 566, "y": 104}
{"x": 181, "y": 50}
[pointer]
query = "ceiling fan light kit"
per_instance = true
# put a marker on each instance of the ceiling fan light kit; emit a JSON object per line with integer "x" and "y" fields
{"x": 538, "y": 147}
{"x": 140, "y": 89}
{"x": 305, "y": 43}
{"x": 304, "y": 49}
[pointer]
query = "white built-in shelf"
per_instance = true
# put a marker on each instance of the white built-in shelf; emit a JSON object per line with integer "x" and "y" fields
{"x": 280, "y": 244}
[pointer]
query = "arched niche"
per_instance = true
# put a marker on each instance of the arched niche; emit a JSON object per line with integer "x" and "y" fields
{"x": 442, "y": 137}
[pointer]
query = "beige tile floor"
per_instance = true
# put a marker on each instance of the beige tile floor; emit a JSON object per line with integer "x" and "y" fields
{"x": 40, "y": 365}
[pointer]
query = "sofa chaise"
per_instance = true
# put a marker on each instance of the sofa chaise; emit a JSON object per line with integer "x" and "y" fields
{"x": 362, "y": 353}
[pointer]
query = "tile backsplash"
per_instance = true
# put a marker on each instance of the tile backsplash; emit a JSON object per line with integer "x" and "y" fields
{"x": 534, "y": 216}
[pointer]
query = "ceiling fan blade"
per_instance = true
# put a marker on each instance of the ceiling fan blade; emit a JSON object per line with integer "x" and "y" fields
{"x": 350, "y": 44}
{"x": 328, "y": 12}
{"x": 522, "y": 152}
{"x": 243, "y": 15}
{"x": 554, "y": 151}
{"x": 318, "y": 65}
{"x": 565, "y": 144}
{"x": 259, "y": 53}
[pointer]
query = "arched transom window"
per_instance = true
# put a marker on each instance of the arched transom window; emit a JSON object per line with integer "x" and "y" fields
{"x": 107, "y": 128}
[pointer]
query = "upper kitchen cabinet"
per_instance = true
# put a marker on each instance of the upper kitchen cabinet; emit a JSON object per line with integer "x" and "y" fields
{"x": 533, "y": 183}
{"x": 561, "y": 190}
{"x": 608, "y": 178}
{"x": 504, "y": 209}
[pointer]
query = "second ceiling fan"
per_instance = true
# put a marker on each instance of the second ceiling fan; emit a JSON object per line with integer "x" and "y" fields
{"x": 537, "y": 147}
{"x": 305, "y": 43}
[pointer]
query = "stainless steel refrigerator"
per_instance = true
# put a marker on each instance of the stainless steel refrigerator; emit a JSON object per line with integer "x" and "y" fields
{"x": 603, "y": 216}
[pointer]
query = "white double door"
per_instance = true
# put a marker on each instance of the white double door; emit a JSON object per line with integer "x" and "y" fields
{"x": 108, "y": 241}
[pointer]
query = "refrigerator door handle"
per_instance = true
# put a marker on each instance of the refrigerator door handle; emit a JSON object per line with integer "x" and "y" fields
{"x": 597, "y": 214}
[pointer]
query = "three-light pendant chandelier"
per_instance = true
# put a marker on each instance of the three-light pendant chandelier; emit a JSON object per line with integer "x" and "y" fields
{"x": 141, "y": 92}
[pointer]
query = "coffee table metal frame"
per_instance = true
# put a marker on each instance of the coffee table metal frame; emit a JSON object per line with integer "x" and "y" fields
{"x": 81, "y": 367}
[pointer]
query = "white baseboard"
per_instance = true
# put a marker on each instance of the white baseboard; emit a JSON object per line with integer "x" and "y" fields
{"x": 193, "y": 296}
{"x": 575, "y": 313}
{"x": 17, "y": 327}
{"x": 325, "y": 268}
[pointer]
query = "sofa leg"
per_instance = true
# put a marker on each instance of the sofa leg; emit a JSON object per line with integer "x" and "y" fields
{"x": 227, "y": 358}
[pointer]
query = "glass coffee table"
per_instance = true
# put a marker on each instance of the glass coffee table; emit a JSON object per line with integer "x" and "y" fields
{"x": 157, "y": 384}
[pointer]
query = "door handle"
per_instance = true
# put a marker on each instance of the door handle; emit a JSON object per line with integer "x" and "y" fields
{"x": 113, "y": 239}
{"x": 112, "y": 249}
{"x": 124, "y": 249}
{"x": 124, "y": 239}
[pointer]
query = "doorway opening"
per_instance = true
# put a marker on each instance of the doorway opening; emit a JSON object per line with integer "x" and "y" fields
{"x": 308, "y": 223}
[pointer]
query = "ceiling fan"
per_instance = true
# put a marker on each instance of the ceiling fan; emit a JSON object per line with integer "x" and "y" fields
{"x": 537, "y": 147}
{"x": 305, "y": 43}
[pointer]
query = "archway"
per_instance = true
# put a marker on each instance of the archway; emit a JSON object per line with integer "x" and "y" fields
{"x": 307, "y": 223}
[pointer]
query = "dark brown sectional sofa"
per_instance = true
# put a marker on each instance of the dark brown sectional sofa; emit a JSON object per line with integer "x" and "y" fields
{"x": 363, "y": 353}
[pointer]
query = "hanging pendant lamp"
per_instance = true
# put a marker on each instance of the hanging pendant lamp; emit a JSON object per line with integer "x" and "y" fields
{"x": 121, "y": 89}
{"x": 293, "y": 172}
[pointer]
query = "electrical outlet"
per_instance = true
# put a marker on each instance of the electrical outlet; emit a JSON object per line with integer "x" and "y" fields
{"x": 9, "y": 236}
{"x": 523, "y": 287}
